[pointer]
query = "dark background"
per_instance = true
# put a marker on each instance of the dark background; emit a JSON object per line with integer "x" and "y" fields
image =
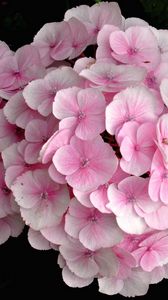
{"x": 24, "y": 271}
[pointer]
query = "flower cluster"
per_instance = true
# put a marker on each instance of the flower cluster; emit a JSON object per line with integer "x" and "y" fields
{"x": 84, "y": 147}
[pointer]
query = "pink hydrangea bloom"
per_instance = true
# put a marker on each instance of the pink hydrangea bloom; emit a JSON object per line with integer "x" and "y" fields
{"x": 103, "y": 52}
{"x": 18, "y": 69}
{"x": 137, "y": 45}
{"x": 86, "y": 164}
{"x": 99, "y": 198}
{"x": 136, "y": 284}
{"x": 86, "y": 263}
{"x": 80, "y": 37}
{"x": 137, "y": 147}
{"x": 96, "y": 16}
{"x": 9, "y": 133}
{"x": 14, "y": 162}
{"x": 152, "y": 252}
{"x": 53, "y": 42}
{"x": 81, "y": 109}
{"x": 37, "y": 133}
{"x": 40, "y": 93}
{"x": 42, "y": 202}
{"x": 58, "y": 139}
{"x": 154, "y": 77}
{"x": 113, "y": 78}
{"x": 18, "y": 112}
{"x": 162, "y": 136}
{"x": 7, "y": 204}
{"x": 94, "y": 229}
{"x": 158, "y": 183}
{"x": 129, "y": 200}
{"x": 133, "y": 104}
{"x": 11, "y": 225}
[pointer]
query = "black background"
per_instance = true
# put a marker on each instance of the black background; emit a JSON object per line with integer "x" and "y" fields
{"x": 24, "y": 271}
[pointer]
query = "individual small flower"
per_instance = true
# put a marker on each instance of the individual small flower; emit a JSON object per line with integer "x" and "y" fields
{"x": 37, "y": 133}
{"x": 53, "y": 42}
{"x": 113, "y": 78}
{"x": 152, "y": 252}
{"x": 158, "y": 182}
{"x": 129, "y": 200}
{"x": 99, "y": 198}
{"x": 42, "y": 202}
{"x": 103, "y": 52}
{"x": 11, "y": 225}
{"x": 162, "y": 136}
{"x": 58, "y": 139}
{"x": 86, "y": 164}
{"x": 40, "y": 93}
{"x": 81, "y": 109}
{"x": 14, "y": 162}
{"x": 156, "y": 76}
{"x": 93, "y": 229}
{"x": 18, "y": 112}
{"x": 137, "y": 45}
{"x": 133, "y": 104}
{"x": 86, "y": 263}
{"x": 96, "y": 16}
{"x": 80, "y": 37}
{"x": 9, "y": 133}
{"x": 18, "y": 69}
{"x": 7, "y": 204}
{"x": 136, "y": 284}
{"x": 137, "y": 147}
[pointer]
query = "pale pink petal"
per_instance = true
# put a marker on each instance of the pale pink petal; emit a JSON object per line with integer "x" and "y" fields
{"x": 158, "y": 220}
{"x": 37, "y": 241}
{"x": 110, "y": 286}
{"x": 74, "y": 281}
{"x": 66, "y": 160}
{"x": 150, "y": 260}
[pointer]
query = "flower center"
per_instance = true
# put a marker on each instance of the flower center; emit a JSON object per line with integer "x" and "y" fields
{"x": 137, "y": 147}
{"x": 89, "y": 253}
{"x": 81, "y": 115}
{"x": 132, "y": 51}
{"x": 16, "y": 73}
{"x": 165, "y": 141}
{"x": 165, "y": 175}
{"x": 5, "y": 190}
{"x": 44, "y": 195}
{"x": 84, "y": 162}
{"x": 130, "y": 198}
{"x": 151, "y": 81}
